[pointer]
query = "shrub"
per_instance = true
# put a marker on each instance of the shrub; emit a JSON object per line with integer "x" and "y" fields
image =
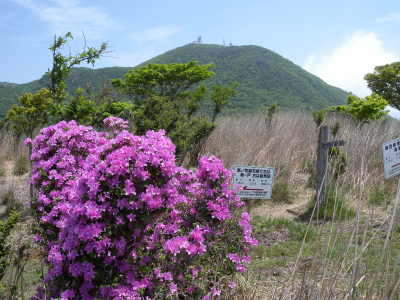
{"x": 120, "y": 219}
{"x": 5, "y": 228}
{"x": 8, "y": 197}
{"x": 381, "y": 195}
{"x": 21, "y": 165}
{"x": 282, "y": 192}
{"x": 2, "y": 170}
{"x": 11, "y": 203}
{"x": 333, "y": 204}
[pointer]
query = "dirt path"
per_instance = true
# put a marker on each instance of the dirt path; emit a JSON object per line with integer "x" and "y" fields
{"x": 302, "y": 197}
{"x": 17, "y": 184}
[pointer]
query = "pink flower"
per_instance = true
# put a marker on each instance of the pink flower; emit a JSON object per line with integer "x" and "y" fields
{"x": 173, "y": 288}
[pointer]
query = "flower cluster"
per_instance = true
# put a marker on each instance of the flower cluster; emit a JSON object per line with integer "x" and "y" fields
{"x": 119, "y": 219}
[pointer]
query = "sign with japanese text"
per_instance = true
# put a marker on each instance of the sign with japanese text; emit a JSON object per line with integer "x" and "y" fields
{"x": 391, "y": 158}
{"x": 255, "y": 181}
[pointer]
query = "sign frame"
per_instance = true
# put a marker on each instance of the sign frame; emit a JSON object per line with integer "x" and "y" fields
{"x": 254, "y": 181}
{"x": 391, "y": 158}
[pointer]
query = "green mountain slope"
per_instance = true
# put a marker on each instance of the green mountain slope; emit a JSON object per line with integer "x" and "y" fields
{"x": 264, "y": 78}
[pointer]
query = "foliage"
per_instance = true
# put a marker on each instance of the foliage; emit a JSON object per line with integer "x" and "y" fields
{"x": 271, "y": 111}
{"x": 171, "y": 81}
{"x": 363, "y": 110}
{"x": 318, "y": 117}
{"x": 5, "y": 229}
{"x": 220, "y": 96}
{"x": 117, "y": 217}
{"x": 334, "y": 206}
{"x": 91, "y": 109}
{"x": 165, "y": 98}
{"x": 33, "y": 112}
{"x": 62, "y": 64}
{"x": 282, "y": 192}
{"x": 339, "y": 159}
{"x": 265, "y": 77}
{"x": 184, "y": 131}
{"x": 334, "y": 129}
{"x": 21, "y": 165}
{"x": 385, "y": 81}
{"x": 8, "y": 197}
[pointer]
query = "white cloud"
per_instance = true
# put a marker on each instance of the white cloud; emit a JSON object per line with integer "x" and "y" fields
{"x": 64, "y": 16}
{"x": 395, "y": 17}
{"x": 346, "y": 65}
{"x": 157, "y": 33}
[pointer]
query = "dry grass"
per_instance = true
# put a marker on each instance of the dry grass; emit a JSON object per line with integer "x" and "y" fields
{"x": 344, "y": 259}
{"x": 348, "y": 259}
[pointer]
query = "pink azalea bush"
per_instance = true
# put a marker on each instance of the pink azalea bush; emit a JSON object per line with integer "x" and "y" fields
{"x": 119, "y": 219}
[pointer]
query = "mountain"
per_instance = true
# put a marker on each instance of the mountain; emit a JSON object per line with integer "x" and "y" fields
{"x": 264, "y": 77}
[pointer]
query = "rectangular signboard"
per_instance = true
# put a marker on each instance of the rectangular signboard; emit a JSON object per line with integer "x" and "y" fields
{"x": 255, "y": 181}
{"x": 391, "y": 158}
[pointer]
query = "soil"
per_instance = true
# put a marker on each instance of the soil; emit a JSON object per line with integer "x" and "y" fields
{"x": 17, "y": 184}
{"x": 303, "y": 195}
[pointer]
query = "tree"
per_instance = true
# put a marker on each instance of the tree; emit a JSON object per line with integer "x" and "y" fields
{"x": 91, "y": 109}
{"x": 318, "y": 116}
{"x": 168, "y": 97}
{"x": 170, "y": 81}
{"x": 363, "y": 110}
{"x": 385, "y": 81}
{"x": 220, "y": 96}
{"x": 62, "y": 65}
{"x": 32, "y": 114}
{"x": 271, "y": 111}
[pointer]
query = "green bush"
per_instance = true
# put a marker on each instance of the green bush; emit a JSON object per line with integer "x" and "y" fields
{"x": 297, "y": 229}
{"x": 11, "y": 203}
{"x": 8, "y": 197}
{"x": 327, "y": 208}
{"x": 381, "y": 195}
{"x": 282, "y": 191}
{"x": 21, "y": 165}
{"x": 5, "y": 228}
{"x": 2, "y": 170}
{"x": 339, "y": 159}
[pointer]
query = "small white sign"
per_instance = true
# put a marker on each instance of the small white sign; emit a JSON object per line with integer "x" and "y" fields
{"x": 255, "y": 181}
{"x": 391, "y": 158}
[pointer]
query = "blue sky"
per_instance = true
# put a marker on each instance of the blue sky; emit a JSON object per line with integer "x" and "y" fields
{"x": 339, "y": 41}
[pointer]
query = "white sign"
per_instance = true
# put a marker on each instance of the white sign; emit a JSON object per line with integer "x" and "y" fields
{"x": 391, "y": 158}
{"x": 255, "y": 181}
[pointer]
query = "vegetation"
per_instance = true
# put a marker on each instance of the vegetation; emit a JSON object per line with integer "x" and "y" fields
{"x": 346, "y": 248}
{"x": 165, "y": 97}
{"x": 62, "y": 64}
{"x": 271, "y": 111}
{"x": 385, "y": 81}
{"x": 264, "y": 78}
{"x": 363, "y": 110}
{"x": 5, "y": 251}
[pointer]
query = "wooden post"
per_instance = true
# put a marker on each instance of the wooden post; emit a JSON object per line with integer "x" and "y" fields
{"x": 322, "y": 163}
{"x": 249, "y": 205}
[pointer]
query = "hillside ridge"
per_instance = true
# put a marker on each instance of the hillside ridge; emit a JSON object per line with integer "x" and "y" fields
{"x": 264, "y": 77}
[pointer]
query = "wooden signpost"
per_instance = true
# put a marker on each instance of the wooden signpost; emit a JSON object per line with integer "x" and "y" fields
{"x": 322, "y": 161}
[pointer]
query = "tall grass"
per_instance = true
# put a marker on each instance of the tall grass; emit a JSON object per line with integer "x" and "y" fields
{"x": 347, "y": 248}
{"x": 289, "y": 144}
{"x": 355, "y": 249}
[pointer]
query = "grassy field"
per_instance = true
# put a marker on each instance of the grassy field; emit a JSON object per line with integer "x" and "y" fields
{"x": 348, "y": 248}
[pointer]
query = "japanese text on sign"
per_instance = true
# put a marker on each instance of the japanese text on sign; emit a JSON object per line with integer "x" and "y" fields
{"x": 391, "y": 158}
{"x": 255, "y": 181}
